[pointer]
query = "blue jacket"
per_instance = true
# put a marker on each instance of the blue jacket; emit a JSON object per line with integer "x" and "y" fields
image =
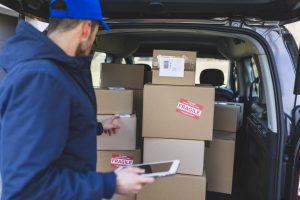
{"x": 48, "y": 123}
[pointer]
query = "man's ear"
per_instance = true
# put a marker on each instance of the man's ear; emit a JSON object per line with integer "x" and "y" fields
{"x": 86, "y": 30}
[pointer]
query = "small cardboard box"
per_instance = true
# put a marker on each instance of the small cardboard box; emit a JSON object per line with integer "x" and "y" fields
{"x": 121, "y": 75}
{"x": 114, "y": 101}
{"x": 188, "y": 79}
{"x": 178, "y": 187}
{"x": 138, "y": 110}
{"x": 228, "y": 117}
{"x": 125, "y": 137}
{"x": 106, "y": 161}
{"x": 189, "y": 152}
{"x": 178, "y": 112}
{"x": 189, "y": 57}
{"x": 219, "y": 163}
{"x": 110, "y": 160}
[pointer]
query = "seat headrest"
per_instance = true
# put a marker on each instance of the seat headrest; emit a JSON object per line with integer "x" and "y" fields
{"x": 213, "y": 77}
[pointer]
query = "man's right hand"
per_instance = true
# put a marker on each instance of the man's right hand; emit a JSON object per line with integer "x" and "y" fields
{"x": 130, "y": 181}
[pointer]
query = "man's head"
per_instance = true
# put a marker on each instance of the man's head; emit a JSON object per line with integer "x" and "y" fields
{"x": 77, "y": 22}
{"x": 83, "y": 32}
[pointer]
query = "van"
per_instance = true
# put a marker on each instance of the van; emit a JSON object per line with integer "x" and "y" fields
{"x": 260, "y": 56}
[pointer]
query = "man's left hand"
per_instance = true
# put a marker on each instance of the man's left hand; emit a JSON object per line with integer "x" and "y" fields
{"x": 109, "y": 127}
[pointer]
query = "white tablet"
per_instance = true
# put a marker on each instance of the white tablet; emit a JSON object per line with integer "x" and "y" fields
{"x": 158, "y": 169}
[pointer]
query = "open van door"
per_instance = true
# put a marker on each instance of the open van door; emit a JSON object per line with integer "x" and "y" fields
{"x": 176, "y": 9}
{"x": 293, "y": 165}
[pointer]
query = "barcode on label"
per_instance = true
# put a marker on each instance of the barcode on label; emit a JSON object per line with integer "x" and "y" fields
{"x": 166, "y": 64}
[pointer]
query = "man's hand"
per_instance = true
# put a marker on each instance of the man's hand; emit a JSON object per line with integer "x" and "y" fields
{"x": 109, "y": 127}
{"x": 130, "y": 181}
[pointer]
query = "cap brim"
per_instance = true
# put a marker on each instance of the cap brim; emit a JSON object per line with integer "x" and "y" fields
{"x": 105, "y": 25}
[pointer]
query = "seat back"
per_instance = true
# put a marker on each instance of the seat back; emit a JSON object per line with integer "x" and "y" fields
{"x": 215, "y": 77}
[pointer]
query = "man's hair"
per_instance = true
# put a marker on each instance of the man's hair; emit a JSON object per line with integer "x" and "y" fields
{"x": 65, "y": 24}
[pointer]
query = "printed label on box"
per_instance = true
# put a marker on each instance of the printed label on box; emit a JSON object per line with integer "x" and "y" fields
{"x": 121, "y": 160}
{"x": 189, "y": 108}
{"x": 171, "y": 66}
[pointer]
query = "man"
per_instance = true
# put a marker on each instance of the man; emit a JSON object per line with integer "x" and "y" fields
{"x": 48, "y": 121}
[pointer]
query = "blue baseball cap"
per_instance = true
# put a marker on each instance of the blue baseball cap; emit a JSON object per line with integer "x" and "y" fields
{"x": 78, "y": 9}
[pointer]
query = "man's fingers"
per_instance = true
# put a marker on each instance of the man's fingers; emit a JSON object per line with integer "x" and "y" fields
{"x": 135, "y": 170}
{"x": 116, "y": 127}
{"x": 146, "y": 180}
{"x": 115, "y": 117}
{"x": 109, "y": 133}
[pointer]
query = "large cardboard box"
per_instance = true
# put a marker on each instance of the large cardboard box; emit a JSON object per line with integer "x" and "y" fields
{"x": 114, "y": 101}
{"x": 189, "y": 152}
{"x": 178, "y": 112}
{"x": 125, "y": 137}
{"x": 178, "y": 187}
{"x": 121, "y": 75}
{"x": 106, "y": 161}
{"x": 188, "y": 79}
{"x": 219, "y": 163}
{"x": 189, "y": 57}
{"x": 228, "y": 117}
{"x": 138, "y": 110}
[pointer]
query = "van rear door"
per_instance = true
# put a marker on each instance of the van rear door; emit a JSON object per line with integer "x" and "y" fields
{"x": 176, "y": 9}
{"x": 293, "y": 151}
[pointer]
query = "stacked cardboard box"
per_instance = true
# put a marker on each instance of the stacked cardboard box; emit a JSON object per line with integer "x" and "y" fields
{"x": 177, "y": 119}
{"x": 131, "y": 77}
{"x": 124, "y": 96}
{"x": 219, "y": 153}
{"x": 174, "y": 67}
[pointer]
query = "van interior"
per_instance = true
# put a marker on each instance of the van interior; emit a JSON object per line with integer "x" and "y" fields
{"x": 238, "y": 66}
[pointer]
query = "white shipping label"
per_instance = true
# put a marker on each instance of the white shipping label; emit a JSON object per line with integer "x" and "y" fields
{"x": 171, "y": 66}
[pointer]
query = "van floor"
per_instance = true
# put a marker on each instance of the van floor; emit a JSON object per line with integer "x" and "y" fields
{"x": 237, "y": 189}
{"x": 236, "y": 193}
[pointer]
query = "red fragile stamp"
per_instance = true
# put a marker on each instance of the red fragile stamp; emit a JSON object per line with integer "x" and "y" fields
{"x": 121, "y": 160}
{"x": 189, "y": 108}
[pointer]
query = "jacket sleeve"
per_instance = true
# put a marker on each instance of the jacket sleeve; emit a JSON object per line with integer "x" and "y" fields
{"x": 99, "y": 128}
{"x": 34, "y": 132}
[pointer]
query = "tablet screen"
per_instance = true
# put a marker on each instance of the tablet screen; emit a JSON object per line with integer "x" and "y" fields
{"x": 156, "y": 168}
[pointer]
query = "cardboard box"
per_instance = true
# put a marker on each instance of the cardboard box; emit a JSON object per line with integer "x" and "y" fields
{"x": 114, "y": 101}
{"x": 228, "y": 117}
{"x": 106, "y": 160}
{"x": 125, "y": 137}
{"x": 219, "y": 163}
{"x": 138, "y": 110}
{"x": 189, "y": 57}
{"x": 189, "y": 152}
{"x": 178, "y": 112}
{"x": 121, "y": 75}
{"x": 178, "y": 187}
{"x": 188, "y": 79}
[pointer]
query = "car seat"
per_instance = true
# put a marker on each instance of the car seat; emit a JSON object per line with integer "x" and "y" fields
{"x": 215, "y": 77}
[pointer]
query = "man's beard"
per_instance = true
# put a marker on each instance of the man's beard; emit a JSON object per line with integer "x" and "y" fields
{"x": 84, "y": 48}
{"x": 80, "y": 51}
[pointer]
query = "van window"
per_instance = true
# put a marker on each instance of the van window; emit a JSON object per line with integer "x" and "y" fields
{"x": 211, "y": 63}
{"x": 98, "y": 59}
{"x": 255, "y": 75}
{"x": 143, "y": 60}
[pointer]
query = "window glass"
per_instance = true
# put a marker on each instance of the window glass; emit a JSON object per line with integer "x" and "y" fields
{"x": 143, "y": 60}
{"x": 98, "y": 59}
